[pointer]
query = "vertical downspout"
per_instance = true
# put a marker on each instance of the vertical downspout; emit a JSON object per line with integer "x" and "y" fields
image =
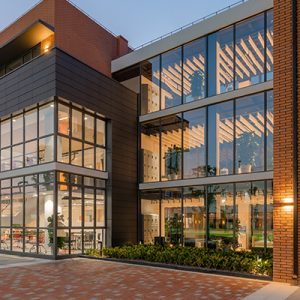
{"x": 295, "y": 137}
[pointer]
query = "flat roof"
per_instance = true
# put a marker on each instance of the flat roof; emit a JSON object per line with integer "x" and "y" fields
{"x": 244, "y": 10}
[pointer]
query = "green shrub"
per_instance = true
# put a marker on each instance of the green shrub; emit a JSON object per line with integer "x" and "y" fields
{"x": 253, "y": 262}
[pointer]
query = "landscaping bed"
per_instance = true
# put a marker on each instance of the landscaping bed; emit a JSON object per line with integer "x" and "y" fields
{"x": 254, "y": 262}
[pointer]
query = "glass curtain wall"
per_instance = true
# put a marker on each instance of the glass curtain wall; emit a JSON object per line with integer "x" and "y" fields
{"x": 238, "y": 56}
{"x": 232, "y": 137}
{"x": 220, "y": 216}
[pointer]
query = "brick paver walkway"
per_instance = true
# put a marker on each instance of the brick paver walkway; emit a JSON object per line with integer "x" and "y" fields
{"x": 92, "y": 279}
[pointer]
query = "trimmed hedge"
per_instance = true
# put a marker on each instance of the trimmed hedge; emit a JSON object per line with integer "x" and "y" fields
{"x": 253, "y": 262}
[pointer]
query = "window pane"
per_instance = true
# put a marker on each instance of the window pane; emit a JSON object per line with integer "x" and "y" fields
{"x": 46, "y": 204}
{"x": 100, "y": 132}
{"x": 220, "y": 141}
{"x": 270, "y": 214}
{"x": 171, "y": 77}
{"x": 5, "y": 133}
{"x": 17, "y": 211}
{"x": 63, "y": 119}
{"x": 150, "y": 151}
{"x": 250, "y": 134}
{"x": 220, "y": 61}
{"x": 100, "y": 159}
{"x": 249, "y": 51}
{"x": 31, "y": 206}
{"x": 63, "y": 149}
{"x": 76, "y": 206}
{"x": 89, "y": 133}
{"x": 46, "y": 119}
{"x": 221, "y": 215}
{"x": 150, "y": 78}
{"x": 171, "y": 216}
{"x": 89, "y": 155}
{"x": 100, "y": 208}
{"x": 17, "y": 127}
{"x": 194, "y": 70}
{"x": 46, "y": 150}
{"x": 31, "y": 153}
{"x": 5, "y": 159}
{"x": 89, "y": 207}
{"x": 150, "y": 216}
{"x": 270, "y": 130}
{"x": 270, "y": 42}
{"x": 76, "y": 241}
{"x": 17, "y": 157}
{"x": 171, "y": 150}
{"x": 31, "y": 125}
{"x": 63, "y": 206}
{"x": 194, "y": 216}
{"x": 5, "y": 207}
{"x": 250, "y": 198}
{"x": 76, "y": 124}
{"x": 76, "y": 153}
{"x": 194, "y": 134}
{"x": 5, "y": 239}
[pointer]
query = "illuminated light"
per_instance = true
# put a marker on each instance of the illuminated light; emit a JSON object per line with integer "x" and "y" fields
{"x": 85, "y": 118}
{"x": 223, "y": 200}
{"x": 288, "y": 200}
{"x": 46, "y": 48}
{"x": 288, "y": 208}
{"x": 51, "y": 105}
{"x": 14, "y": 120}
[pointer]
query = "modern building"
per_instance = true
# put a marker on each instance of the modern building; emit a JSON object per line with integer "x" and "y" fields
{"x": 190, "y": 139}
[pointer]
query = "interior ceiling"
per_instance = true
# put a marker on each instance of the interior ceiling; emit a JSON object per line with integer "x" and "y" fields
{"x": 25, "y": 40}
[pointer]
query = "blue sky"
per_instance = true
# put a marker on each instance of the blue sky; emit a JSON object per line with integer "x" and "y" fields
{"x": 137, "y": 20}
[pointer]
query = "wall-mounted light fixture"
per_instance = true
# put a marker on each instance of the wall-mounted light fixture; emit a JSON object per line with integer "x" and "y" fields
{"x": 288, "y": 200}
{"x": 46, "y": 48}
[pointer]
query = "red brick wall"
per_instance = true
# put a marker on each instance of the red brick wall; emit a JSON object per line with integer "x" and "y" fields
{"x": 283, "y": 141}
{"x": 75, "y": 33}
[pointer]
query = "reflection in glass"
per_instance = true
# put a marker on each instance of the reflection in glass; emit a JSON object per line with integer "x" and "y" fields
{"x": 221, "y": 215}
{"x": 89, "y": 207}
{"x": 249, "y": 52}
{"x": 171, "y": 148}
{"x": 150, "y": 78}
{"x": 46, "y": 150}
{"x": 5, "y": 239}
{"x": 17, "y": 129}
{"x": 270, "y": 130}
{"x": 194, "y": 216}
{"x": 270, "y": 42}
{"x": 76, "y": 241}
{"x": 220, "y": 141}
{"x": 17, "y": 206}
{"x": 150, "y": 202}
{"x": 31, "y": 125}
{"x": 31, "y": 153}
{"x": 89, "y": 154}
{"x": 17, "y": 157}
{"x": 63, "y": 149}
{"x": 63, "y": 206}
{"x": 194, "y": 70}
{"x": 5, "y": 133}
{"x": 63, "y": 119}
{"x": 270, "y": 225}
{"x": 31, "y": 206}
{"x": 89, "y": 128}
{"x": 76, "y": 124}
{"x": 249, "y": 133}
{"x": 171, "y": 216}
{"x": 194, "y": 136}
{"x": 89, "y": 239}
{"x": 5, "y": 159}
{"x": 5, "y": 207}
{"x": 46, "y": 119}
{"x": 171, "y": 79}
{"x": 100, "y": 208}
{"x": 220, "y": 61}
{"x": 76, "y": 153}
{"x": 76, "y": 206}
{"x": 100, "y": 132}
{"x": 150, "y": 151}
{"x": 250, "y": 198}
{"x": 30, "y": 236}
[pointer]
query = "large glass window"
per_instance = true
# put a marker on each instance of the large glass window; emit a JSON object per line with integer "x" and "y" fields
{"x": 269, "y": 46}
{"x": 46, "y": 119}
{"x": 150, "y": 85}
{"x": 5, "y": 133}
{"x": 269, "y": 130}
{"x": 171, "y": 216}
{"x": 249, "y": 133}
{"x": 171, "y": 148}
{"x": 31, "y": 125}
{"x": 220, "y": 202}
{"x": 220, "y": 141}
{"x": 17, "y": 129}
{"x": 194, "y": 70}
{"x": 194, "y": 216}
{"x": 220, "y": 61}
{"x": 171, "y": 78}
{"x": 194, "y": 143}
{"x": 269, "y": 213}
{"x": 63, "y": 119}
{"x": 249, "y": 51}
{"x": 149, "y": 163}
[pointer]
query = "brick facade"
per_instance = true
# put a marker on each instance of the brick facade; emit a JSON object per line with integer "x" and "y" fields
{"x": 91, "y": 44}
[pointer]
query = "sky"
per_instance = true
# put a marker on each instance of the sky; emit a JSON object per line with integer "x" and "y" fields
{"x": 139, "y": 21}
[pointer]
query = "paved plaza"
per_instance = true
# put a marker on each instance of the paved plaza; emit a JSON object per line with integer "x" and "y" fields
{"x": 92, "y": 279}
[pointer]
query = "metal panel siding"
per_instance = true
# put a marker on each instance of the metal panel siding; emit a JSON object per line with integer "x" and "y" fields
{"x": 83, "y": 85}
